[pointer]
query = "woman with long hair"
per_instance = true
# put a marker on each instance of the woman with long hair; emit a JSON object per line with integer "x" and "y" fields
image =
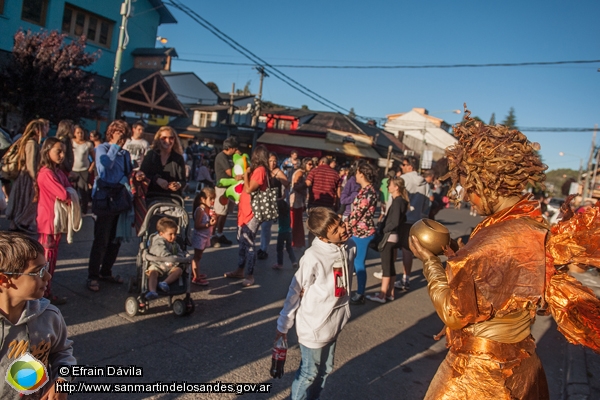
{"x": 22, "y": 209}
{"x": 255, "y": 178}
{"x": 392, "y": 222}
{"x": 492, "y": 287}
{"x": 114, "y": 166}
{"x": 278, "y": 180}
{"x": 164, "y": 166}
{"x": 361, "y": 224}
{"x": 298, "y": 193}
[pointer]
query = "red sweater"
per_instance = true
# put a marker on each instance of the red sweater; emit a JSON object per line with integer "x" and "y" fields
{"x": 52, "y": 185}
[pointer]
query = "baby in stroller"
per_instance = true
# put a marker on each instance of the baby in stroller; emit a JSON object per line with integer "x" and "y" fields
{"x": 163, "y": 245}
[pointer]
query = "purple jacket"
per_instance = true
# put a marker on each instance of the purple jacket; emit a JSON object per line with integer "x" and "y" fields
{"x": 349, "y": 194}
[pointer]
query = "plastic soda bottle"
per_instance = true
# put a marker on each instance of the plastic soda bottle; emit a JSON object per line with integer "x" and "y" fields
{"x": 278, "y": 358}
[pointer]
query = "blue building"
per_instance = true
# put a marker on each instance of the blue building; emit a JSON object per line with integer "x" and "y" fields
{"x": 100, "y": 21}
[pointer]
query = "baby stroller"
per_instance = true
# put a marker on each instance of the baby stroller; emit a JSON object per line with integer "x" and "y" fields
{"x": 172, "y": 208}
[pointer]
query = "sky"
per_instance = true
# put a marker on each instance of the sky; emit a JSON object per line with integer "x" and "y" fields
{"x": 383, "y": 32}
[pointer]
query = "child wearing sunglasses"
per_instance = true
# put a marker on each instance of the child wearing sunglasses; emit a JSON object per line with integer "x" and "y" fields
{"x": 30, "y": 324}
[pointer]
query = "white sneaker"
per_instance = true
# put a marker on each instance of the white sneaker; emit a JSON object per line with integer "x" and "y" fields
{"x": 378, "y": 274}
{"x": 399, "y": 285}
{"x": 375, "y": 298}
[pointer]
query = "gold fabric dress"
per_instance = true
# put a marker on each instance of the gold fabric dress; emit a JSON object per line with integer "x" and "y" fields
{"x": 488, "y": 297}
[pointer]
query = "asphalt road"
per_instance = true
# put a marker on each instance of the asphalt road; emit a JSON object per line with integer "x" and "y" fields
{"x": 385, "y": 351}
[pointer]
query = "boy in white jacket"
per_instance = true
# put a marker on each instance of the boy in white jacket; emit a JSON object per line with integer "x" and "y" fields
{"x": 318, "y": 299}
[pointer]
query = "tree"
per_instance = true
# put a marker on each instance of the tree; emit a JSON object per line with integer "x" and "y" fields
{"x": 44, "y": 77}
{"x": 304, "y": 107}
{"x": 213, "y": 86}
{"x": 246, "y": 90}
{"x": 511, "y": 120}
{"x": 352, "y": 114}
{"x": 493, "y": 119}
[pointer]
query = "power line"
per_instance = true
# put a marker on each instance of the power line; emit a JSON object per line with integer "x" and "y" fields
{"x": 425, "y": 66}
{"x": 256, "y": 59}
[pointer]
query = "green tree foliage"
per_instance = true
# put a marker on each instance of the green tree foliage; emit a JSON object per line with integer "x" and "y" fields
{"x": 561, "y": 179}
{"x": 493, "y": 119}
{"x": 510, "y": 120}
{"x": 246, "y": 90}
{"x": 213, "y": 86}
{"x": 269, "y": 105}
{"x": 44, "y": 77}
{"x": 304, "y": 107}
{"x": 352, "y": 114}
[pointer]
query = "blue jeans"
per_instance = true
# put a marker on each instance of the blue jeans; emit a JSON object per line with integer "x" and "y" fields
{"x": 265, "y": 235}
{"x": 362, "y": 245}
{"x": 285, "y": 238}
{"x": 247, "y": 255}
{"x": 315, "y": 366}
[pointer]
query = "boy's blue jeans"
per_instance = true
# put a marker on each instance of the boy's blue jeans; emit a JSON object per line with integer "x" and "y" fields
{"x": 315, "y": 366}
{"x": 285, "y": 238}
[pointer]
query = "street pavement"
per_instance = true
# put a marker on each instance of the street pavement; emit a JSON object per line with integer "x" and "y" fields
{"x": 385, "y": 351}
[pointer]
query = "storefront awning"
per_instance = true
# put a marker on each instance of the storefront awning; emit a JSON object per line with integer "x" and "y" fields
{"x": 318, "y": 143}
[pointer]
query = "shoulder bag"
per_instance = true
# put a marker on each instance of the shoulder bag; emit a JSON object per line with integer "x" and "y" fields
{"x": 264, "y": 203}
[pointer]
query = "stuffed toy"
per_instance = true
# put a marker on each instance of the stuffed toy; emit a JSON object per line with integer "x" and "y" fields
{"x": 234, "y": 187}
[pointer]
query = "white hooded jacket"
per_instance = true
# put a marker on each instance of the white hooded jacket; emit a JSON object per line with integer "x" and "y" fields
{"x": 320, "y": 315}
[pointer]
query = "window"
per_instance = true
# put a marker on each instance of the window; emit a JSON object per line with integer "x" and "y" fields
{"x": 202, "y": 119}
{"x": 34, "y": 11}
{"x": 78, "y": 22}
{"x": 283, "y": 125}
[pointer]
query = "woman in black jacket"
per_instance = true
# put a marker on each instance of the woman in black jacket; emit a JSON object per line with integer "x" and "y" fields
{"x": 394, "y": 218}
{"x": 163, "y": 165}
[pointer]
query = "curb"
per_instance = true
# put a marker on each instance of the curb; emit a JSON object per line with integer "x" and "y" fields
{"x": 577, "y": 384}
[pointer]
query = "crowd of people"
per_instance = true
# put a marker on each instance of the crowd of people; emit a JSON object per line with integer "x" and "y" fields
{"x": 58, "y": 178}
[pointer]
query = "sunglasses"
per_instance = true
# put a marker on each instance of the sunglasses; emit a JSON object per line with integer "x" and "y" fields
{"x": 405, "y": 165}
{"x": 165, "y": 138}
{"x": 40, "y": 273}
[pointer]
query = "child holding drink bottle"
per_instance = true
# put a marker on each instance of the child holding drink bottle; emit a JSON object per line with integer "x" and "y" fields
{"x": 318, "y": 298}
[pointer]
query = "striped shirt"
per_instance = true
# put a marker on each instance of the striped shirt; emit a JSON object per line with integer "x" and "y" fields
{"x": 324, "y": 190}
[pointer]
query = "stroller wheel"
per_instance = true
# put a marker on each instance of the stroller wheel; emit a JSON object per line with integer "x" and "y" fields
{"x": 132, "y": 306}
{"x": 179, "y": 308}
{"x": 132, "y": 286}
{"x": 189, "y": 306}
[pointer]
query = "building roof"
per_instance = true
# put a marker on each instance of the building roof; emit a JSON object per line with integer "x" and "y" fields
{"x": 155, "y": 51}
{"x": 165, "y": 16}
{"x": 226, "y": 96}
{"x": 216, "y": 107}
{"x": 189, "y": 88}
{"x": 147, "y": 91}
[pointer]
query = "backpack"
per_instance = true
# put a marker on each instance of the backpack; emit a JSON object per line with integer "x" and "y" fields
{"x": 9, "y": 164}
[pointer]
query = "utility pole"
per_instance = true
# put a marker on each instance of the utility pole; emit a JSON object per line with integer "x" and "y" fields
{"x": 589, "y": 166}
{"x": 114, "y": 89}
{"x": 258, "y": 103}
{"x": 230, "y": 110}
{"x": 593, "y": 181}
{"x": 389, "y": 157}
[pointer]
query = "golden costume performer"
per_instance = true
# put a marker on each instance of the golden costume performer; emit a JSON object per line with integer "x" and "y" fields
{"x": 493, "y": 286}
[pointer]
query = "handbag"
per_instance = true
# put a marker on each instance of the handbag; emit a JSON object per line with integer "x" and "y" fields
{"x": 264, "y": 204}
{"x": 111, "y": 198}
{"x": 9, "y": 168}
